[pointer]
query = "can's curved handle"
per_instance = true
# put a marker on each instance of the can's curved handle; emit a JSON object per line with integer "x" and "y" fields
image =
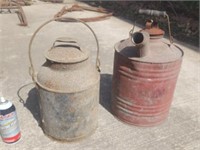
{"x": 60, "y": 19}
{"x": 152, "y": 12}
{"x": 158, "y": 14}
{"x": 66, "y": 40}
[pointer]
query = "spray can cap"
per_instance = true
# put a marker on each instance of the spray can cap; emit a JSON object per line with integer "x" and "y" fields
{"x": 2, "y": 100}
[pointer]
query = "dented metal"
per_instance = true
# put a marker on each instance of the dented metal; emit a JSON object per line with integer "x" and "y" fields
{"x": 68, "y": 85}
{"x": 144, "y": 78}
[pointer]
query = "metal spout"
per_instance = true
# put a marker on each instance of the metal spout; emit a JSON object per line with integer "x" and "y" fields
{"x": 141, "y": 41}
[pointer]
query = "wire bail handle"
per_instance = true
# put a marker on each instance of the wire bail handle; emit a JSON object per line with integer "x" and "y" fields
{"x": 60, "y": 19}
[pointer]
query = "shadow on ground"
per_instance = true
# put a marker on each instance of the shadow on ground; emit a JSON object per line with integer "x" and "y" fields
{"x": 32, "y": 101}
{"x": 105, "y": 91}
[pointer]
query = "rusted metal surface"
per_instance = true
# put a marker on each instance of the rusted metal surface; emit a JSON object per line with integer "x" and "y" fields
{"x": 142, "y": 92}
{"x": 69, "y": 52}
{"x": 14, "y": 4}
{"x": 77, "y": 7}
{"x": 69, "y": 116}
{"x": 67, "y": 78}
{"x": 68, "y": 85}
{"x": 153, "y": 29}
{"x": 22, "y": 17}
{"x": 143, "y": 85}
{"x": 69, "y": 95}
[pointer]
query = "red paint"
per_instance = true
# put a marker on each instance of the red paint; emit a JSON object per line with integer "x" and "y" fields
{"x": 12, "y": 139}
{"x": 142, "y": 91}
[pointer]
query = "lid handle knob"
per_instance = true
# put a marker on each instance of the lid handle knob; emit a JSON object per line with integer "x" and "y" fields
{"x": 67, "y": 40}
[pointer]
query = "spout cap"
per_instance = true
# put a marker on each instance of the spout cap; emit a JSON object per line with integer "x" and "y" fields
{"x": 153, "y": 29}
{"x": 2, "y": 100}
{"x": 4, "y": 104}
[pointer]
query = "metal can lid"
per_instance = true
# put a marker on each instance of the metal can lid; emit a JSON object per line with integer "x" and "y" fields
{"x": 68, "y": 52}
{"x": 159, "y": 51}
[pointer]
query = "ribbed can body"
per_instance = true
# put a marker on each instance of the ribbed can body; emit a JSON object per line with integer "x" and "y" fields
{"x": 142, "y": 92}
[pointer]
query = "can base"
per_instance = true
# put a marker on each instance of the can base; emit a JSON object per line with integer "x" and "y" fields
{"x": 70, "y": 140}
{"x": 140, "y": 121}
{"x": 140, "y": 125}
{"x": 13, "y": 139}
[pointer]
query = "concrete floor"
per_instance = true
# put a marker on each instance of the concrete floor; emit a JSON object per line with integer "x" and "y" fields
{"x": 181, "y": 131}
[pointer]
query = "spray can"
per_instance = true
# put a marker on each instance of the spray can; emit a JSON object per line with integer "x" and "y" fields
{"x": 9, "y": 127}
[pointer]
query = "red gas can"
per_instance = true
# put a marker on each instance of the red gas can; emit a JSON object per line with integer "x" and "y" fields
{"x": 144, "y": 77}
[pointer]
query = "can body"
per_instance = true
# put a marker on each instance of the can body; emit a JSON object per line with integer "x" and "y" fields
{"x": 69, "y": 116}
{"x": 142, "y": 92}
{"x": 9, "y": 127}
{"x": 68, "y": 100}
